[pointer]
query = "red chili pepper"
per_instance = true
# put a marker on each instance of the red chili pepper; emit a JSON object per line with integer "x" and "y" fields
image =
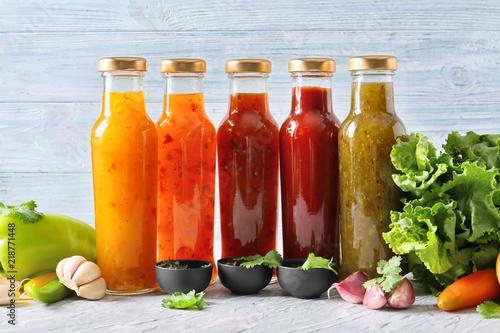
{"x": 470, "y": 290}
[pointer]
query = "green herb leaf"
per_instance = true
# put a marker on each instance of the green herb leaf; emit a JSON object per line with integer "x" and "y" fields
{"x": 390, "y": 272}
{"x": 272, "y": 259}
{"x": 189, "y": 301}
{"x": 317, "y": 262}
{"x": 25, "y": 212}
{"x": 489, "y": 310}
{"x": 252, "y": 261}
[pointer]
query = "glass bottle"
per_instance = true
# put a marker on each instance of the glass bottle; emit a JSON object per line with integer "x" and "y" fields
{"x": 309, "y": 163}
{"x": 367, "y": 191}
{"x": 186, "y": 165}
{"x": 124, "y": 162}
{"x": 248, "y": 157}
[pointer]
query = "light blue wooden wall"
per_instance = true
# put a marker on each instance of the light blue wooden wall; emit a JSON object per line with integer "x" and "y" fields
{"x": 50, "y": 90}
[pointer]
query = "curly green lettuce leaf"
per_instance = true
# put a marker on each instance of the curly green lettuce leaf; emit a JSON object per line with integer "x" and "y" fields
{"x": 189, "y": 301}
{"x": 426, "y": 227}
{"x": 472, "y": 147}
{"x": 413, "y": 153}
{"x": 488, "y": 310}
{"x": 450, "y": 224}
{"x": 317, "y": 262}
{"x": 475, "y": 191}
{"x": 415, "y": 157}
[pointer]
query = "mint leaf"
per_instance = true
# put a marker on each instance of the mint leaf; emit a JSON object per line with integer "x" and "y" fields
{"x": 25, "y": 212}
{"x": 317, "y": 262}
{"x": 390, "y": 272}
{"x": 489, "y": 310}
{"x": 189, "y": 301}
{"x": 272, "y": 259}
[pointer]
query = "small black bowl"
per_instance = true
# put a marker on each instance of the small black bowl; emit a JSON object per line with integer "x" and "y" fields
{"x": 304, "y": 284}
{"x": 242, "y": 280}
{"x": 184, "y": 280}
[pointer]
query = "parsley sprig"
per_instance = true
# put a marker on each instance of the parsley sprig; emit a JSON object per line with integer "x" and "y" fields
{"x": 25, "y": 212}
{"x": 489, "y": 310}
{"x": 189, "y": 301}
{"x": 390, "y": 272}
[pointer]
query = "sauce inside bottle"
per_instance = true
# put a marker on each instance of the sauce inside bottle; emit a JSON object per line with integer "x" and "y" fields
{"x": 309, "y": 164}
{"x": 248, "y": 156}
{"x": 186, "y": 166}
{"x": 368, "y": 193}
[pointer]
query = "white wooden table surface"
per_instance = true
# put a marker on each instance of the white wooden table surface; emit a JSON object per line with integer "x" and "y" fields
{"x": 50, "y": 96}
{"x": 272, "y": 310}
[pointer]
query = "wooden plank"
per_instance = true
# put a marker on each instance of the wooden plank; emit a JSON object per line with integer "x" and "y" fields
{"x": 271, "y": 310}
{"x": 448, "y": 67}
{"x": 55, "y": 137}
{"x": 72, "y": 194}
{"x": 63, "y": 193}
{"x": 258, "y": 15}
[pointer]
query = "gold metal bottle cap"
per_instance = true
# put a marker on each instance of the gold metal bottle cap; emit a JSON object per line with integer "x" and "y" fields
{"x": 311, "y": 65}
{"x": 248, "y": 65}
{"x": 372, "y": 62}
{"x": 183, "y": 66}
{"x": 110, "y": 64}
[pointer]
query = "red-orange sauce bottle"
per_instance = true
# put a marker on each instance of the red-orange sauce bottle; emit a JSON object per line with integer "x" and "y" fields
{"x": 186, "y": 165}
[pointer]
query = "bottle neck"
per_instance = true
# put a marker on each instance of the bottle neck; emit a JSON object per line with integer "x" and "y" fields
{"x": 183, "y": 93}
{"x": 123, "y": 92}
{"x": 372, "y": 92}
{"x": 312, "y": 92}
{"x": 123, "y": 81}
{"x": 183, "y": 83}
{"x": 248, "y": 92}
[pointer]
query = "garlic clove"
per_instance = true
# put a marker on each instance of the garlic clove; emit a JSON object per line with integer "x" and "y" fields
{"x": 69, "y": 283}
{"x": 71, "y": 265}
{"x": 86, "y": 272}
{"x": 59, "y": 268}
{"x": 94, "y": 290}
{"x": 403, "y": 296}
{"x": 375, "y": 298}
{"x": 351, "y": 288}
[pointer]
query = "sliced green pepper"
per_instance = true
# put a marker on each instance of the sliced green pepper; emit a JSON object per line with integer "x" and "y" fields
{"x": 31, "y": 241}
{"x": 51, "y": 292}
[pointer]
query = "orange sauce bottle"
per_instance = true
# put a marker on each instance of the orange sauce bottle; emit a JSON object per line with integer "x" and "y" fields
{"x": 124, "y": 144}
{"x": 186, "y": 165}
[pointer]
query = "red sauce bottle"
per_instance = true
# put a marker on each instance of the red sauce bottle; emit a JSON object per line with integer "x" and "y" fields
{"x": 309, "y": 163}
{"x": 248, "y": 157}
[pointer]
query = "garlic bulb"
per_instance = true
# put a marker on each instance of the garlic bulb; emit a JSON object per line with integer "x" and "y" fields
{"x": 82, "y": 276}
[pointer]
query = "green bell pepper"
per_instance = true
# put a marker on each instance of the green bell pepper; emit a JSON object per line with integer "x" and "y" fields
{"x": 31, "y": 241}
{"x": 52, "y": 292}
